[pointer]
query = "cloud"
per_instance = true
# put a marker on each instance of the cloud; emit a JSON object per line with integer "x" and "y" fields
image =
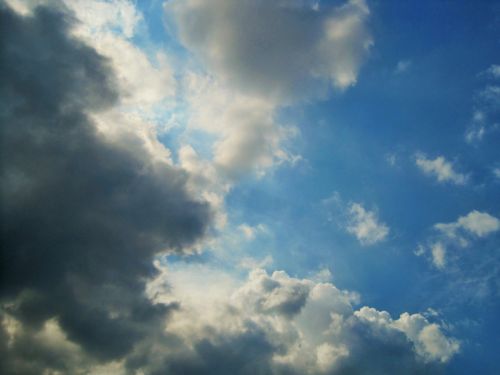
{"x": 486, "y": 107}
{"x": 144, "y": 80}
{"x": 249, "y": 67}
{"x": 83, "y": 214}
{"x": 274, "y": 323}
{"x": 440, "y": 168}
{"x": 494, "y": 71}
{"x": 391, "y": 159}
{"x": 479, "y": 224}
{"x": 306, "y": 51}
{"x": 438, "y": 251}
{"x": 477, "y": 130}
{"x": 459, "y": 233}
{"x": 248, "y": 137}
{"x": 365, "y": 225}
{"x": 402, "y": 66}
{"x": 496, "y": 173}
{"x": 90, "y": 199}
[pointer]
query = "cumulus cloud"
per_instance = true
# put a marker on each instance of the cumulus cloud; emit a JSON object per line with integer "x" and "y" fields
{"x": 365, "y": 225}
{"x": 275, "y": 323}
{"x": 460, "y": 233}
{"x": 249, "y": 139}
{"x": 303, "y": 53}
{"x": 441, "y": 169}
{"x": 83, "y": 215}
{"x": 254, "y": 58}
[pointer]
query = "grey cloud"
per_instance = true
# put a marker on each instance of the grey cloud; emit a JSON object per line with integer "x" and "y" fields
{"x": 247, "y": 353}
{"x": 82, "y": 217}
{"x": 283, "y": 50}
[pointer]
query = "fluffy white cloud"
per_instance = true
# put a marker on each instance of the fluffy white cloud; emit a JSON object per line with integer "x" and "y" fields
{"x": 438, "y": 251}
{"x": 459, "y": 233}
{"x": 248, "y": 138}
{"x": 365, "y": 225}
{"x": 440, "y": 168}
{"x": 477, "y": 223}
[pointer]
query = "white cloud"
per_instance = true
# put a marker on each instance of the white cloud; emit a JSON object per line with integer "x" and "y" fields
{"x": 428, "y": 338}
{"x": 440, "y": 168}
{"x": 460, "y": 233}
{"x": 475, "y": 222}
{"x": 438, "y": 252}
{"x": 365, "y": 225}
{"x": 248, "y": 137}
{"x": 250, "y": 232}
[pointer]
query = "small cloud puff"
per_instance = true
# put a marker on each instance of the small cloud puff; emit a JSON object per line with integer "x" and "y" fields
{"x": 440, "y": 168}
{"x": 365, "y": 225}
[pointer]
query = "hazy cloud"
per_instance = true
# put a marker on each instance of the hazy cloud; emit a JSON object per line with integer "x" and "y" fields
{"x": 402, "y": 66}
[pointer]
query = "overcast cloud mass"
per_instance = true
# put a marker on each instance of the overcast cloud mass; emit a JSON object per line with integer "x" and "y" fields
{"x": 248, "y": 187}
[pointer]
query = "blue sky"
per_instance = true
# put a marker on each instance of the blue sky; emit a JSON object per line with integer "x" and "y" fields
{"x": 348, "y": 152}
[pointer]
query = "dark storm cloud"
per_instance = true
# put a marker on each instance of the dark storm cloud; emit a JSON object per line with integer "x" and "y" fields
{"x": 81, "y": 217}
{"x": 245, "y": 353}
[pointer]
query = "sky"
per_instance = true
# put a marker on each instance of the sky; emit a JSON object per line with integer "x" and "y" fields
{"x": 250, "y": 187}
